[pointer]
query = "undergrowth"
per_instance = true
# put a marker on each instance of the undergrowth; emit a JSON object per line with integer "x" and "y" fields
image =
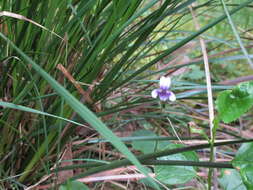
{"x": 76, "y": 84}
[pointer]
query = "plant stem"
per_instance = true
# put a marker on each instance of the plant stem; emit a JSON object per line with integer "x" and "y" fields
{"x": 210, "y": 101}
{"x": 156, "y": 162}
{"x": 124, "y": 162}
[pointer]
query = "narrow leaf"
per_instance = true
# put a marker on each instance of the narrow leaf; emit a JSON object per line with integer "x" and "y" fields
{"x": 81, "y": 109}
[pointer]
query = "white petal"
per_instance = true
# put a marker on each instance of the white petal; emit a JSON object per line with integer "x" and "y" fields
{"x": 154, "y": 93}
{"x": 165, "y": 82}
{"x": 172, "y": 97}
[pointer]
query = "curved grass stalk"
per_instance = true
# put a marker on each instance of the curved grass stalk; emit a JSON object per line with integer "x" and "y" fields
{"x": 31, "y": 110}
{"x": 124, "y": 162}
{"x": 236, "y": 34}
{"x": 177, "y": 46}
{"x": 155, "y": 162}
{"x": 82, "y": 111}
{"x": 210, "y": 103}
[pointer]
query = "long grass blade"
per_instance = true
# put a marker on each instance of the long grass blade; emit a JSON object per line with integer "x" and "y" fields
{"x": 81, "y": 109}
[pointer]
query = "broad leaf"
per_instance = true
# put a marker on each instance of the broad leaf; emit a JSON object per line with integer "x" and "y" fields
{"x": 176, "y": 174}
{"x": 195, "y": 73}
{"x": 231, "y": 180}
{"x": 166, "y": 174}
{"x": 232, "y": 104}
{"x": 145, "y": 146}
{"x": 243, "y": 161}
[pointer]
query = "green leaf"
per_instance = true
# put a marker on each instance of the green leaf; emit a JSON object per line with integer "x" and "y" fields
{"x": 178, "y": 45}
{"x": 243, "y": 161}
{"x": 247, "y": 176}
{"x": 27, "y": 109}
{"x": 166, "y": 174}
{"x": 73, "y": 185}
{"x": 231, "y": 180}
{"x": 148, "y": 146}
{"x": 146, "y": 182}
{"x": 80, "y": 109}
{"x": 233, "y": 103}
{"x": 145, "y": 146}
{"x": 195, "y": 73}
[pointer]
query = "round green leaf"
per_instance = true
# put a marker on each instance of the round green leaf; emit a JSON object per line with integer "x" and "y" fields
{"x": 243, "y": 161}
{"x": 145, "y": 146}
{"x": 231, "y": 104}
{"x": 231, "y": 180}
{"x": 176, "y": 174}
{"x": 247, "y": 176}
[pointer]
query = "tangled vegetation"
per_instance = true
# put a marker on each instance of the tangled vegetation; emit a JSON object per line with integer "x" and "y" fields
{"x": 119, "y": 94}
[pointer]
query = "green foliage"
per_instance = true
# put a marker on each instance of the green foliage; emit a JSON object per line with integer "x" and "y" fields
{"x": 73, "y": 185}
{"x": 146, "y": 146}
{"x": 103, "y": 45}
{"x": 195, "y": 73}
{"x": 230, "y": 179}
{"x": 166, "y": 174}
{"x": 176, "y": 174}
{"x": 83, "y": 112}
{"x": 243, "y": 162}
{"x": 247, "y": 176}
{"x": 231, "y": 104}
{"x": 99, "y": 41}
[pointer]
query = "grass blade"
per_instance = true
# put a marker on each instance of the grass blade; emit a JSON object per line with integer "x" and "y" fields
{"x": 81, "y": 109}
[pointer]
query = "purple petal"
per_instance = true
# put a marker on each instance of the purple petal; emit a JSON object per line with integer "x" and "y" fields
{"x": 164, "y": 95}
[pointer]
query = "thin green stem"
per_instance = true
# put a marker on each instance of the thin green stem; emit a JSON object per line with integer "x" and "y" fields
{"x": 124, "y": 162}
{"x": 156, "y": 162}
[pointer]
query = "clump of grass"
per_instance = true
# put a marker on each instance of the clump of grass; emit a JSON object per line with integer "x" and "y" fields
{"x": 75, "y": 70}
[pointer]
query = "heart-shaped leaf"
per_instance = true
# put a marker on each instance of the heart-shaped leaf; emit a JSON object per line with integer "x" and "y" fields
{"x": 231, "y": 180}
{"x": 231, "y": 104}
{"x": 166, "y": 174}
{"x": 145, "y": 146}
{"x": 243, "y": 161}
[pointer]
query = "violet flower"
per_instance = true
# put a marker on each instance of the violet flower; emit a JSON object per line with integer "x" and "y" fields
{"x": 163, "y": 92}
